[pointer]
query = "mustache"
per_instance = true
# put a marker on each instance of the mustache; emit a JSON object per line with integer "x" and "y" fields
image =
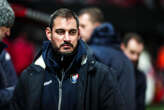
{"x": 66, "y": 43}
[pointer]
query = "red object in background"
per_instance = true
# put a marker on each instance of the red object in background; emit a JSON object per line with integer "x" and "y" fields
{"x": 22, "y": 53}
{"x": 159, "y": 96}
{"x": 159, "y": 93}
{"x": 160, "y": 58}
{"x": 19, "y": 10}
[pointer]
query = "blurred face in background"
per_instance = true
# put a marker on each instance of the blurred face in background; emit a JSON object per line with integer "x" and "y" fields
{"x": 64, "y": 35}
{"x": 86, "y": 26}
{"x": 4, "y": 31}
{"x": 133, "y": 50}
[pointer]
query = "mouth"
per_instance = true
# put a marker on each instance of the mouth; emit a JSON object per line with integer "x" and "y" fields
{"x": 66, "y": 46}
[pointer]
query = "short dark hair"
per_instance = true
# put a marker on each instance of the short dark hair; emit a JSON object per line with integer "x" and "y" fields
{"x": 96, "y": 14}
{"x": 130, "y": 36}
{"x": 63, "y": 12}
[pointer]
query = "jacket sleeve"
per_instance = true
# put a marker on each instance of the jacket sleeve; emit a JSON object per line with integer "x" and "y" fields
{"x": 6, "y": 95}
{"x": 8, "y": 78}
{"x": 8, "y": 67}
{"x": 111, "y": 98}
{"x": 18, "y": 99}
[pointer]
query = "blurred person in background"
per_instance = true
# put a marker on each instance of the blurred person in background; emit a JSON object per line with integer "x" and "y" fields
{"x": 89, "y": 18}
{"x": 65, "y": 75}
{"x": 8, "y": 76}
{"x": 132, "y": 45}
{"x": 104, "y": 42}
{"x": 145, "y": 64}
{"x": 22, "y": 49}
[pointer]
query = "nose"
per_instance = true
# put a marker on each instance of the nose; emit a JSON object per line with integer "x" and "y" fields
{"x": 66, "y": 37}
{"x": 7, "y": 33}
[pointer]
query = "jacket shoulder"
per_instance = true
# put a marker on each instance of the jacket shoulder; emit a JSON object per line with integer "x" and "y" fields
{"x": 31, "y": 71}
{"x": 100, "y": 67}
{"x": 102, "y": 72}
{"x": 106, "y": 83}
{"x": 28, "y": 89}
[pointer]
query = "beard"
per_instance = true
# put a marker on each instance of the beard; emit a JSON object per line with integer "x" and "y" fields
{"x": 57, "y": 49}
{"x": 63, "y": 57}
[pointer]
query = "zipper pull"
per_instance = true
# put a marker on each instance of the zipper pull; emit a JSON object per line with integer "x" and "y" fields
{"x": 63, "y": 74}
{"x": 62, "y": 58}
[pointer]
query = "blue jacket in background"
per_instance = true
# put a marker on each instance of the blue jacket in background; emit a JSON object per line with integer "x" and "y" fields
{"x": 106, "y": 47}
{"x": 8, "y": 78}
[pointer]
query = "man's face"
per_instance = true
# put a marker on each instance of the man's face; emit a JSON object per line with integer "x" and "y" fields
{"x": 4, "y": 31}
{"x": 86, "y": 26}
{"x": 64, "y": 35}
{"x": 133, "y": 50}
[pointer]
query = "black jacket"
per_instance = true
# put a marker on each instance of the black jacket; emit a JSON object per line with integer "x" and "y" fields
{"x": 140, "y": 89}
{"x": 97, "y": 89}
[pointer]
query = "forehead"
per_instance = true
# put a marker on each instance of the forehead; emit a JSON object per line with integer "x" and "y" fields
{"x": 134, "y": 45}
{"x": 61, "y": 22}
{"x": 4, "y": 28}
{"x": 84, "y": 18}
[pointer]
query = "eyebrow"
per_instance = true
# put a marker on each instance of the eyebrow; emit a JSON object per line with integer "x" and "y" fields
{"x": 65, "y": 29}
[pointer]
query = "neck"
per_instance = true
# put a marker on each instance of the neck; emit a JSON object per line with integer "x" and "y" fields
{"x": 64, "y": 60}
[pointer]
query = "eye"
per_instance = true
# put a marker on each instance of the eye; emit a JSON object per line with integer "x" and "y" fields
{"x": 60, "y": 31}
{"x": 72, "y": 31}
{"x": 82, "y": 26}
{"x": 132, "y": 52}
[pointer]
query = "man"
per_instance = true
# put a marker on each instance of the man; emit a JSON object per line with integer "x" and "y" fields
{"x": 89, "y": 18}
{"x": 68, "y": 78}
{"x": 8, "y": 77}
{"x": 132, "y": 45}
{"x": 105, "y": 45}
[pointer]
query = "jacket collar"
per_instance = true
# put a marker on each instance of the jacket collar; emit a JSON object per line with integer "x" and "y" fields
{"x": 2, "y": 46}
{"x": 104, "y": 35}
{"x": 40, "y": 62}
{"x": 45, "y": 58}
{"x": 87, "y": 58}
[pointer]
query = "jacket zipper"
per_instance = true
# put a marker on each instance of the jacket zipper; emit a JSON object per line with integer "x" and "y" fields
{"x": 60, "y": 89}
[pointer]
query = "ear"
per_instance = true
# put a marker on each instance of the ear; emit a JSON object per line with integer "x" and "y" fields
{"x": 48, "y": 33}
{"x": 122, "y": 46}
{"x": 79, "y": 33}
{"x": 96, "y": 24}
